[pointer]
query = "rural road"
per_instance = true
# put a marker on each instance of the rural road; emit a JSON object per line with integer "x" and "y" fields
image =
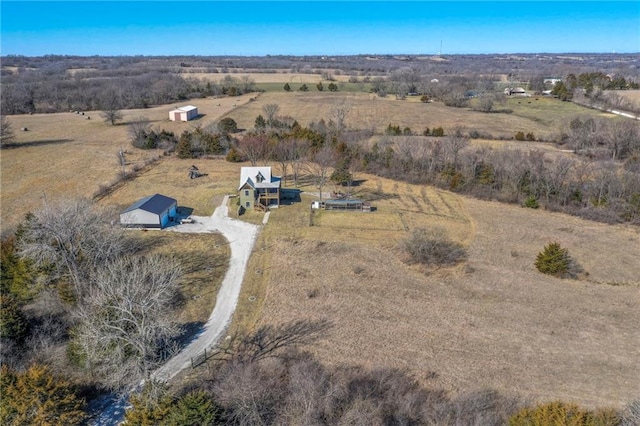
{"x": 241, "y": 237}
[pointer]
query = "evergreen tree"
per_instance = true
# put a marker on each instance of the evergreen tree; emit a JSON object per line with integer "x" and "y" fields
{"x": 553, "y": 260}
{"x": 260, "y": 122}
{"x": 194, "y": 408}
{"x": 287, "y": 88}
{"x": 37, "y": 397}
{"x": 320, "y": 86}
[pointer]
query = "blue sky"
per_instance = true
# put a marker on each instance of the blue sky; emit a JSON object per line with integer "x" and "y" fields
{"x": 316, "y": 28}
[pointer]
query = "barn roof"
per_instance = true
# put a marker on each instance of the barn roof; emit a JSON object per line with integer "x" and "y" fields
{"x": 156, "y": 203}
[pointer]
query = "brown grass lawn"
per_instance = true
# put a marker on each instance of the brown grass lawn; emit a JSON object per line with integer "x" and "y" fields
{"x": 494, "y": 322}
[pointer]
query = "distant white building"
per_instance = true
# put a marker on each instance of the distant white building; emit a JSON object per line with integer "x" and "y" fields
{"x": 552, "y": 80}
{"x": 184, "y": 113}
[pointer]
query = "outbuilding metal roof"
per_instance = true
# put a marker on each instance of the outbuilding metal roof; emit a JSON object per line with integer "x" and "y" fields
{"x": 186, "y": 108}
{"x": 154, "y": 204}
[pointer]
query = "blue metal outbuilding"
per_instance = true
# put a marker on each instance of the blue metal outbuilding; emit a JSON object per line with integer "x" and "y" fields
{"x": 155, "y": 211}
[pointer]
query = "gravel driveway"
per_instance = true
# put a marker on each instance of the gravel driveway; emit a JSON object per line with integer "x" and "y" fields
{"x": 241, "y": 237}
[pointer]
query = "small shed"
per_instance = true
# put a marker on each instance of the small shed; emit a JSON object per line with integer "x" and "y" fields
{"x": 184, "y": 113}
{"x": 155, "y": 211}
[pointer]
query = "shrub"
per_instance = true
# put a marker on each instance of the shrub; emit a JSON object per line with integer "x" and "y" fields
{"x": 227, "y": 125}
{"x": 561, "y": 413}
{"x": 287, "y": 88}
{"x": 393, "y": 130}
{"x": 424, "y": 98}
{"x": 194, "y": 408}
{"x": 519, "y": 136}
{"x": 433, "y": 247}
{"x": 437, "y": 131}
{"x": 553, "y": 260}
{"x": 531, "y": 202}
{"x": 530, "y": 137}
{"x": 234, "y": 156}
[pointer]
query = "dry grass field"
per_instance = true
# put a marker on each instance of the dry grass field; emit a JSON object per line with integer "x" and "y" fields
{"x": 492, "y": 322}
{"x": 545, "y": 118}
{"x": 632, "y": 95}
{"x": 65, "y": 155}
{"x": 203, "y": 258}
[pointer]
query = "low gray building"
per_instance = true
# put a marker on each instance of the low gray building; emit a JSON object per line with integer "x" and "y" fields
{"x": 155, "y": 211}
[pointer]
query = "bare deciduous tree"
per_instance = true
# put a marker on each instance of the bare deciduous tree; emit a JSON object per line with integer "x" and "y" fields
{"x": 124, "y": 323}
{"x": 338, "y": 114}
{"x": 6, "y": 131}
{"x": 270, "y": 110}
{"x": 319, "y": 166}
{"x": 71, "y": 238}
{"x": 111, "y": 107}
{"x": 254, "y": 147}
{"x": 138, "y": 131}
{"x": 285, "y": 153}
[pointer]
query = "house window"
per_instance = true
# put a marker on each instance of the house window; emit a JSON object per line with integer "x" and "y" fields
{"x": 246, "y": 192}
{"x": 248, "y": 204}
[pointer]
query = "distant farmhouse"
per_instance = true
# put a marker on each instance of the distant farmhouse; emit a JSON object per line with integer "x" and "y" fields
{"x": 155, "y": 211}
{"x": 258, "y": 188}
{"x": 184, "y": 113}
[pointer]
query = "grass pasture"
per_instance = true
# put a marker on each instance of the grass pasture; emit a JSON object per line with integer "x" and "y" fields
{"x": 545, "y": 119}
{"x": 65, "y": 155}
{"x": 631, "y": 95}
{"x": 494, "y": 322}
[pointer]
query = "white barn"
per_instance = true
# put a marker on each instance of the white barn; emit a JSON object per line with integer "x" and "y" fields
{"x": 184, "y": 113}
{"x": 155, "y": 211}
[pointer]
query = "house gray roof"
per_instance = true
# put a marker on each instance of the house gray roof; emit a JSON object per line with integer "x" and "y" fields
{"x": 156, "y": 203}
{"x": 249, "y": 175}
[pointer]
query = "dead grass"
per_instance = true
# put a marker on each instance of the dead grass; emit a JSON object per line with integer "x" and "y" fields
{"x": 632, "y": 95}
{"x": 371, "y": 112}
{"x": 494, "y": 322}
{"x": 64, "y": 155}
{"x": 203, "y": 258}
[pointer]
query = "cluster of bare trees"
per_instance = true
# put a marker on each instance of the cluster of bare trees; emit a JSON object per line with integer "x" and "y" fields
{"x": 116, "y": 305}
{"x": 601, "y": 190}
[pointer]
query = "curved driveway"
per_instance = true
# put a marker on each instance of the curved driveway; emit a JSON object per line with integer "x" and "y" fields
{"x": 241, "y": 237}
